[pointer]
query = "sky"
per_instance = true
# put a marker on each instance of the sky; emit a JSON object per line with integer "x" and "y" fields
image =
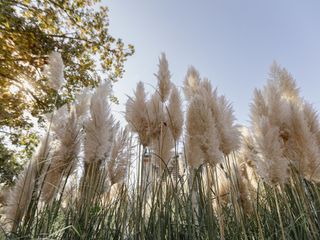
{"x": 233, "y": 43}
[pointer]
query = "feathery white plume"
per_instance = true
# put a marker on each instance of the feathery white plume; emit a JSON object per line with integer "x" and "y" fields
{"x": 175, "y": 114}
{"x": 272, "y": 165}
{"x": 284, "y": 82}
{"x": 247, "y": 159}
{"x": 191, "y": 82}
{"x": 271, "y": 117}
{"x": 137, "y": 115}
{"x": 63, "y": 163}
{"x": 118, "y": 163}
{"x": 229, "y": 132}
{"x": 54, "y": 70}
{"x": 247, "y": 153}
{"x": 312, "y": 119}
{"x": 82, "y": 105}
{"x": 20, "y": 196}
{"x": 59, "y": 120}
{"x": 303, "y": 147}
{"x": 99, "y": 133}
{"x": 163, "y": 77}
{"x": 163, "y": 147}
{"x": 202, "y": 142}
{"x": 222, "y": 113}
{"x": 155, "y": 115}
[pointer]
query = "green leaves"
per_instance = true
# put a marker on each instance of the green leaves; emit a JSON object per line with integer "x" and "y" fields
{"x": 8, "y": 165}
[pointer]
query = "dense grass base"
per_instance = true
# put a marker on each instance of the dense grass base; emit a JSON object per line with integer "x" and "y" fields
{"x": 180, "y": 209}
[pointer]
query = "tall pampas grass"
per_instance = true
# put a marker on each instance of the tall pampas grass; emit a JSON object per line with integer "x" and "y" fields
{"x": 272, "y": 166}
{"x": 163, "y": 148}
{"x": 175, "y": 114}
{"x": 99, "y": 129}
{"x": 304, "y": 148}
{"x": 161, "y": 138}
{"x": 163, "y": 76}
{"x": 222, "y": 112}
{"x": 99, "y": 137}
{"x": 191, "y": 82}
{"x": 54, "y": 70}
{"x": 66, "y": 126}
{"x": 202, "y": 144}
{"x": 284, "y": 81}
{"x": 137, "y": 116}
{"x": 20, "y": 196}
{"x": 82, "y": 105}
{"x": 270, "y": 116}
{"x": 312, "y": 119}
{"x": 247, "y": 159}
{"x": 231, "y": 188}
{"x": 63, "y": 163}
{"x": 118, "y": 163}
{"x": 30, "y": 181}
{"x": 280, "y": 114}
{"x": 156, "y": 116}
{"x": 205, "y": 103}
{"x": 228, "y": 130}
{"x": 222, "y": 194}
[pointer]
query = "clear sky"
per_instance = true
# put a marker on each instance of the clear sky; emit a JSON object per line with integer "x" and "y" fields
{"x": 233, "y": 43}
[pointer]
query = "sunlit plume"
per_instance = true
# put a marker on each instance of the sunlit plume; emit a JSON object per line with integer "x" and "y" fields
{"x": 54, "y": 70}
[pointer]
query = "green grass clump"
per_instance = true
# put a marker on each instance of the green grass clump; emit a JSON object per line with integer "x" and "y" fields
{"x": 179, "y": 209}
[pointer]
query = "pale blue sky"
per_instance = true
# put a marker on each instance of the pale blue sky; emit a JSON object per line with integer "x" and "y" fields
{"x": 233, "y": 43}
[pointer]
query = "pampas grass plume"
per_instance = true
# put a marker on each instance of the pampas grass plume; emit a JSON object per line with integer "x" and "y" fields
{"x": 137, "y": 116}
{"x": 163, "y": 147}
{"x": 222, "y": 113}
{"x": 99, "y": 128}
{"x": 283, "y": 81}
{"x": 20, "y": 196}
{"x": 175, "y": 114}
{"x": 155, "y": 115}
{"x": 118, "y": 163}
{"x": 272, "y": 166}
{"x": 54, "y": 70}
{"x": 163, "y": 77}
{"x": 229, "y": 132}
{"x": 191, "y": 82}
{"x": 64, "y": 157}
{"x": 202, "y": 143}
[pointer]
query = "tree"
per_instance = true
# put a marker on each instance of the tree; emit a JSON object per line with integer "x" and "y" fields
{"x": 29, "y": 31}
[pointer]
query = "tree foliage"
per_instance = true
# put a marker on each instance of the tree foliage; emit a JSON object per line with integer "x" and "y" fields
{"x": 29, "y": 31}
{"x": 8, "y": 165}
